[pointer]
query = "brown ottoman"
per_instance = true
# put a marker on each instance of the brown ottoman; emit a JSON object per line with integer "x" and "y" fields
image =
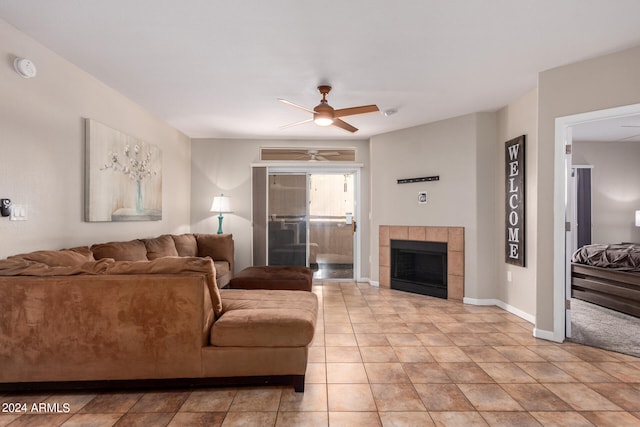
{"x": 287, "y": 277}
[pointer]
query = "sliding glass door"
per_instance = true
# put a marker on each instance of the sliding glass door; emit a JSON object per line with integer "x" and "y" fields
{"x": 288, "y": 219}
{"x": 309, "y": 219}
{"x": 332, "y": 224}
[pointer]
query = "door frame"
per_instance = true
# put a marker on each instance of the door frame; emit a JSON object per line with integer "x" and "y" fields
{"x": 561, "y": 259}
{"x": 329, "y": 168}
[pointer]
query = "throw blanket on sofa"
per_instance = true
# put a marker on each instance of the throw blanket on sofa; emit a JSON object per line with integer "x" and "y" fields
{"x": 622, "y": 257}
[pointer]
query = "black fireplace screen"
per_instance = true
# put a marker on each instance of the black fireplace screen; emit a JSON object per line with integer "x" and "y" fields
{"x": 419, "y": 267}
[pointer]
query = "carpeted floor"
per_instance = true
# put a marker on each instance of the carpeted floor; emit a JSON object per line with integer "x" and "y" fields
{"x": 600, "y": 327}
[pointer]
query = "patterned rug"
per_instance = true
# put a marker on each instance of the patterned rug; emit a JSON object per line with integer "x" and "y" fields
{"x": 600, "y": 327}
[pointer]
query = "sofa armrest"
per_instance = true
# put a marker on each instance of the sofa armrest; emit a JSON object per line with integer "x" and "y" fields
{"x": 219, "y": 247}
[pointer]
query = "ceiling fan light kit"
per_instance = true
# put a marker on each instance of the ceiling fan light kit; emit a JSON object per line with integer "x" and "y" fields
{"x": 325, "y": 115}
{"x": 323, "y": 121}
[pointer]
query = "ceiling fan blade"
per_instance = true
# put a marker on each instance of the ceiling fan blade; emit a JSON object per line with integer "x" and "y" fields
{"x": 343, "y": 112}
{"x": 296, "y": 124}
{"x": 284, "y": 101}
{"x": 344, "y": 125}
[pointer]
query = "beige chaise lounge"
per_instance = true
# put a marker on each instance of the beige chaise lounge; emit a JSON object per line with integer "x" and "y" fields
{"x": 68, "y": 318}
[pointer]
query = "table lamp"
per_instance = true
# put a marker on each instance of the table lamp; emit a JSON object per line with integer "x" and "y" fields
{"x": 221, "y": 204}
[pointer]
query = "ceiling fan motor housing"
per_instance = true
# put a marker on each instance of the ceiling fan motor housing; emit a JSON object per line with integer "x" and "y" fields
{"x": 324, "y": 112}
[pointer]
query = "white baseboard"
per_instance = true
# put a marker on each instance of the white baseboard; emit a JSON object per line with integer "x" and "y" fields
{"x": 521, "y": 314}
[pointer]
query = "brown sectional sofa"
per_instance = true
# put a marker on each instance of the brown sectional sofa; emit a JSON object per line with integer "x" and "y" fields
{"x": 219, "y": 247}
{"x": 100, "y": 314}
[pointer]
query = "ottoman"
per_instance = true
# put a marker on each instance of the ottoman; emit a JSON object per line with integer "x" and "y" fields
{"x": 288, "y": 277}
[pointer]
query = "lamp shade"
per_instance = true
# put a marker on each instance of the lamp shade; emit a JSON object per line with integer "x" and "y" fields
{"x": 221, "y": 204}
{"x": 637, "y": 218}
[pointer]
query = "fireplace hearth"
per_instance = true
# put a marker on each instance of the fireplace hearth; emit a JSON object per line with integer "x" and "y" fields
{"x": 419, "y": 267}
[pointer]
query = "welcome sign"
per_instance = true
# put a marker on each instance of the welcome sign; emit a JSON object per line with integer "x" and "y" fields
{"x": 514, "y": 201}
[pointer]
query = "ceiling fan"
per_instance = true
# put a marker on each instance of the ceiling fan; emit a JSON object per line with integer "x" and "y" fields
{"x": 308, "y": 154}
{"x": 315, "y": 155}
{"x": 325, "y": 115}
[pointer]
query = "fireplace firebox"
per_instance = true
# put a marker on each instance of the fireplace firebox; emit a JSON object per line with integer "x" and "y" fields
{"x": 419, "y": 267}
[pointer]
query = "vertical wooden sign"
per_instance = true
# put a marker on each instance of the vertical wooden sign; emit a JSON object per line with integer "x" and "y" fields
{"x": 515, "y": 201}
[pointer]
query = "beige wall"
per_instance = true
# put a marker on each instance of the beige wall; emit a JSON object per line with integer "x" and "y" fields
{"x": 454, "y": 149}
{"x": 615, "y": 188}
{"x": 520, "y": 117}
{"x": 42, "y": 151}
{"x": 224, "y": 166}
{"x": 596, "y": 84}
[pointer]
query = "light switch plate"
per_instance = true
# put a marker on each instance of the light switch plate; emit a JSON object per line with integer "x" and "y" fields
{"x": 18, "y": 213}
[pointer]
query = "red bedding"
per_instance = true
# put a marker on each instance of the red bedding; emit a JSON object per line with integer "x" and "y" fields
{"x": 621, "y": 257}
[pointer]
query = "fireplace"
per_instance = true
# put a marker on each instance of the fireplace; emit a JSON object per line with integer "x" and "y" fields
{"x": 419, "y": 267}
{"x": 452, "y": 236}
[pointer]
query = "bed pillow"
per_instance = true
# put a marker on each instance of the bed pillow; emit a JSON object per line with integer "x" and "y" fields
{"x": 134, "y": 250}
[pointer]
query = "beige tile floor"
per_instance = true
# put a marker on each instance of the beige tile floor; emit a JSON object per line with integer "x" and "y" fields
{"x": 383, "y": 357}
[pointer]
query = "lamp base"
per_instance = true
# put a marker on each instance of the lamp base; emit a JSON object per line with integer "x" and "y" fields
{"x": 220, "y": 224}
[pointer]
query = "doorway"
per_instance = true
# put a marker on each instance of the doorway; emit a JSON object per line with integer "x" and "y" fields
{"x": 332, "y": 225}
{"x": 563, "y": 199}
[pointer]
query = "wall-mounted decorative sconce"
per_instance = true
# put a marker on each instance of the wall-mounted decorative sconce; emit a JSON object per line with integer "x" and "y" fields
{"x": 24, "y": 67}
{"x": 221, "y": 204}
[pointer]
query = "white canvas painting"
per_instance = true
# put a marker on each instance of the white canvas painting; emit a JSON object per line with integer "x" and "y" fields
{"x": 123, "y": 176}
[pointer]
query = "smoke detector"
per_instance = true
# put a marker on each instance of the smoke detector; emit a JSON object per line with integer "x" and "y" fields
{"x": 24, "y": 67}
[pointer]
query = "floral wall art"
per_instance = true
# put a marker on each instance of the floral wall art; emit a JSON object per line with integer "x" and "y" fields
{"x": 123, "y": 176}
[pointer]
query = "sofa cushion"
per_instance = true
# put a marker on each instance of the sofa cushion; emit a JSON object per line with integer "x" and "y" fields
{"x": 174, "y": 265}
{"x": 216, "y": 246}
{"x": 133, "y": 250}
{"x": 59, "y": 258}
{"x": 186, "y": 244}
{"x": 222, "y": 268}
{"x": 14, "y": 266}
{"x": 160, "y": 247}
{"x": 265, "y": 318}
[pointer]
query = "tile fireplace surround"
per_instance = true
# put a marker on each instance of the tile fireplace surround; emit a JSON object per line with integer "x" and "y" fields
{"x": 453, "y": 236}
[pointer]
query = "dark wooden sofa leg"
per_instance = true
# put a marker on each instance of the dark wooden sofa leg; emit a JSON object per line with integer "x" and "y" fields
{"x": 298, "y": 383}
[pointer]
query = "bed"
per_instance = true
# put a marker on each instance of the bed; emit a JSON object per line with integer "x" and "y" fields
{"x": 608, "y": 275}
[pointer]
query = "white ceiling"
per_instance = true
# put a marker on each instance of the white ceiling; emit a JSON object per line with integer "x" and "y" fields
{"x": 619, "y": 129}
{"x": 215, "y": 68}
